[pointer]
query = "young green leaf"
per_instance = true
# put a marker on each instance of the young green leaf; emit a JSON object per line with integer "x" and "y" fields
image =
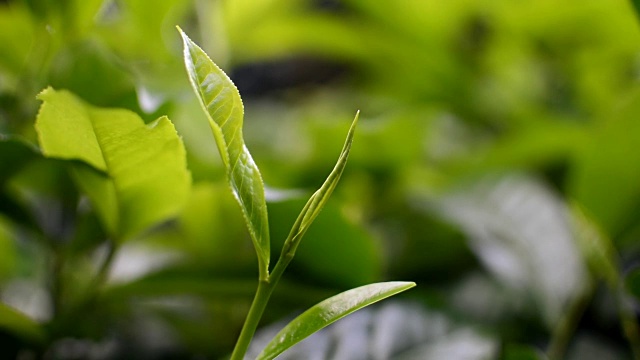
{"x": 19, "y": 324}
{"x": 222, "y": 104}
{"x": 138, "y": 175}
{"x": 329, "y": 311}
{"x": 312, "y": 208}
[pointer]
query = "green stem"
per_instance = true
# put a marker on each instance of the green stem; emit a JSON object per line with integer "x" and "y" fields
{"x": 260, "y": 300}
{"x": 105, "y": 267}
{"x": 265, "y": 289}
{"x": 568, "y": 322}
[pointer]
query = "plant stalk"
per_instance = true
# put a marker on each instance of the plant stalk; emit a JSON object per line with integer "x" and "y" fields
{"x": 260, "y": 300}
{"x": 105, "y": 266}
{"x": 569, "y": 322}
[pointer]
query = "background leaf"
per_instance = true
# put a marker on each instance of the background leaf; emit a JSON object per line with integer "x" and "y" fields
{"x": 20, "y": 324}
{"x": 15, "y": 153}
{"x": 511, "y": 222}
{"x": 636, "y": 7}
{"x": 221, "y": 101}
{"x": 144, "y": 177}
{"x": 632, "y": 282}
{"x": 521, "y": 352}
{"x": 605, "y": 164}
{"x": 329, "y": 311}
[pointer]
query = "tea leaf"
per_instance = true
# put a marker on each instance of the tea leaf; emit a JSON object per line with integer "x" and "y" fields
{"x": 319, "y": 198}
{"x": 222, "y": 104}
{"x": 141, "y": 176}
{"x": 329, "y": 311}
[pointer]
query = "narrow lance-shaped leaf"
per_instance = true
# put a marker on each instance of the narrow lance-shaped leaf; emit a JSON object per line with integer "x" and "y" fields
{"x": 313, "y": 207}
{"x": 329, "y": 311}
{"x": 221, "y": 102}
{"x": 138, "y": 175}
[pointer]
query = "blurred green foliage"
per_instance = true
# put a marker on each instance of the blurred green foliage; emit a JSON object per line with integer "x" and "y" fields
{"x": 495, "y": 163}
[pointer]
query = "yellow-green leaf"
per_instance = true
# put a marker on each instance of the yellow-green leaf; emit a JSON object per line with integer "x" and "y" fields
{"x": 138, "y": 175}
{"x": 222, "y": 104}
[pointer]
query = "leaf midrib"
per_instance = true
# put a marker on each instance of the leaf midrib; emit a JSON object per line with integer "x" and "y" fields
{"x": 109, "y": 168}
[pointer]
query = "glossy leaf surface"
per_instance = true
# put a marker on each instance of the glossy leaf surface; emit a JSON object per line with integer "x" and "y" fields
{"x": 393, "y": 330}
{"x": 221, "y": 102}
{"x": 329, "y": 311}
{"x": 138, "y": 175}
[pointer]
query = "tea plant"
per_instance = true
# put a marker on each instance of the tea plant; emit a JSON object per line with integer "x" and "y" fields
{"x": 222, "y": 104}
{"x": 135, "y": 177}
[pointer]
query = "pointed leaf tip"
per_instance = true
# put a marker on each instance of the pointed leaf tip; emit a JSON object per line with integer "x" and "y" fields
{"x": 317, "y": 201}
{"x": 329, "y": 311}
{"x": 223, "y": 106}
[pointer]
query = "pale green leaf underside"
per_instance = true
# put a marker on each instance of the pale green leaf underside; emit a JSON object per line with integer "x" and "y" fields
{"x": 144, "y": 177}
{"x": 19, "y": 324}
{"x": 329, "y": 311}
{"x": 222, "y": 104}
{"x": 317, "y": 201}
